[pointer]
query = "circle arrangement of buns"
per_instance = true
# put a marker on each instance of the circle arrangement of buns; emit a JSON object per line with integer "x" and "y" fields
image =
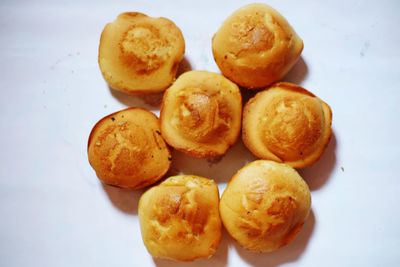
{"x": 256, "y": 46}
{"x": 179, "y": 218}
{"x": 126, "y": 149}
{"x": 286, "y": 123}
{"x": 140, "y": 54}
{"x": 201, "y": 114}
{"x": 266, "y": 203}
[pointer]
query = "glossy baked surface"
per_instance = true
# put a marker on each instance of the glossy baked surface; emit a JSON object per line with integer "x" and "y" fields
{"x": 140, "y": 54}
{"x": 126, "y": 149}
{"x": 256, "y": 46}
{"x": 201, "y": 114}
{"x": 286, "y": 123}
{"x": 265, "y": 205}
{"x": 179, "y": 218}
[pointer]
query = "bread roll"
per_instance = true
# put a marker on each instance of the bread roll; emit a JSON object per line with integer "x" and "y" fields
{"x": 256, "y": 46}
{"x": 286, "y": 123}
{"x": 140, "y": 54}
{"x": 265, "y": 205}
{"x": 201, "y": 114}
{"x": 179, "y": 218}
{"x": 126, "y": 149}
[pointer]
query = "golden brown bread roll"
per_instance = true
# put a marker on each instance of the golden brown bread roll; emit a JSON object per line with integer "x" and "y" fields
{"x": 265, "y": 205}
{"x": 126, "y": 149}
{"x": 201, "y": 114}
{"x": 140, "y": 54}
{"x": 286, "y": 123}
{"x": 179, "y": 218}
{"x": 256, "y": 46}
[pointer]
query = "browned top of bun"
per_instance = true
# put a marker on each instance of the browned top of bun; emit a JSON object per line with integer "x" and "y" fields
{"x": 265, "y": 205}
{"x": 140, "y": 54}
{"x": 256, "y": 46}
{"x": 287, "y": 123}
{"x": 179, "y": 218}
{"x": 126, "y": 149}
{"x": 201, "y": 114}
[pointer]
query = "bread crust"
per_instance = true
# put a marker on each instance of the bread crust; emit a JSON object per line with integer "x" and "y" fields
{"x": 256, "y": 46}
{"x": 201, "y": 114}
{"x": 286, "y": 123}
{"x": 140, "y": 54}
{"x": 179, "y": 218}
{"x": 265, "y": 205}
{"x": 126, "y": 149}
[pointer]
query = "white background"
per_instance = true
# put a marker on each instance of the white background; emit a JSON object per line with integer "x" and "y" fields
{"x": 55, "y": 212}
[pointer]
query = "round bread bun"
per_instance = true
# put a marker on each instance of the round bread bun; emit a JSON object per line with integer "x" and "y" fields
{"x": 286, "y": 123}
{"x": 265, "y": 205}
{"x": 256, "y": 46}
{"x": 179, "y": 218}
{"x": 126, "y": 149}
{"x": 140, "y": 54}
{"x": 201, "y": 114}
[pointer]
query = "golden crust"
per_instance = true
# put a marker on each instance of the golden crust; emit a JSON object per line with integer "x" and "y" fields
{"x": 179, "y": 219}
{"x": 256, "y": 46}
{"x": 265, "y": 205}
{"x": 201, "y": 114}
{"x": 126, "y": 149}
{"x": 286, "y": 123}
{"x": 140, "y": 54}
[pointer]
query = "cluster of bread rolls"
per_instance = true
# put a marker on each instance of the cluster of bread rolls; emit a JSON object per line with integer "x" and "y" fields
{"x": 266, "y": 203}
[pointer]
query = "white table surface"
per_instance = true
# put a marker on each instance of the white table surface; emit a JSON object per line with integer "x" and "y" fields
{"x": 55, "y": 212}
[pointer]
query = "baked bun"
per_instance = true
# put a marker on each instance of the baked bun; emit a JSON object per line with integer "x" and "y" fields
{"x": 286, "y": 123}
{"x": 179, "y": 218}
{"x": 256, "y": 46}
{"x": 201, "y": 114}
{"x": 140, "y": 54}
{"x": 126, "y": 149}
{"x": 265, "y": 205}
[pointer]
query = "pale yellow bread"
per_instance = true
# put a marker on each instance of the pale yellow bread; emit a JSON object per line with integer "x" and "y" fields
{"x": 201, "y": 114}
{"x": 286, "y": 123}
{"x": 179, "y": 218}
{"x": 126, "y": 149}
{"x": 140, "y": 54}
{"x": 265, "y": 205}
{"x": 256, "y": 46}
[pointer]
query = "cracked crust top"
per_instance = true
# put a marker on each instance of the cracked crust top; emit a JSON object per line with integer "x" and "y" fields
{"x": 286, "y": 123}
{"x": 179, "y": 218}
{"x": 126, "y": 149}
{"x": 265, "y": 205}
{"x": 256, "y": 46}
{"x": 140, "y": 54}
{"x": 201, "y": 114}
